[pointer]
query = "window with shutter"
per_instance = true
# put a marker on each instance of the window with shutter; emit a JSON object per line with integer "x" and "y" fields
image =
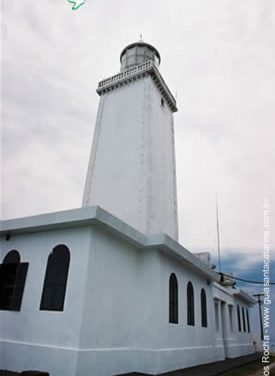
{"x": 54, "y": 289}
{"x": 12, "y": 281}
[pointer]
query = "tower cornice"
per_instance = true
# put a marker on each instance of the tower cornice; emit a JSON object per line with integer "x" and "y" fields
{"x": 135, "y": 73}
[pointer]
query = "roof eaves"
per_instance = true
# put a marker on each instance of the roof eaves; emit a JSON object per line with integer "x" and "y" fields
{"x": 169, "y": 245}
{"x": 241, "y": 294}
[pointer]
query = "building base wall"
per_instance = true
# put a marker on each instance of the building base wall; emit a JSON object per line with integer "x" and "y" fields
{"x": 110, "y": 362}
{"x": 106, "y": 362}
{"x": 234, "y": 351}
{"x": 164, "y": 360}
{"x": 18, "y": 357}
{"x": 57, "y": 361}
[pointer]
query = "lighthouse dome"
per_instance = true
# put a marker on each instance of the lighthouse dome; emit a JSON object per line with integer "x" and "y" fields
{"x": 138, "y": 53}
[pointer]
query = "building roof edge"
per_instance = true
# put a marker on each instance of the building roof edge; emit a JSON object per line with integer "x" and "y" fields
{"x": 95, "y": 215}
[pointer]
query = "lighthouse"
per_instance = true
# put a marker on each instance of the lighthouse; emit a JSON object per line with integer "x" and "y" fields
{"x": 131, "y": 171}
{"x": 89, "y": 291}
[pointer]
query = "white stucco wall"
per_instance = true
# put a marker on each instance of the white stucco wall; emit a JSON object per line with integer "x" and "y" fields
{"x": 234, "y": 342}
{"x": 45, "y": 340}
{"x": 111, "y": 310}
{"x": 125, "y": 323}
{"x": 116, "y": 313}
{"x": 180, "y": 345}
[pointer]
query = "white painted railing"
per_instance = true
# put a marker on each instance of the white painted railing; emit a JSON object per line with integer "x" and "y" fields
{"x": 127, "y": 73}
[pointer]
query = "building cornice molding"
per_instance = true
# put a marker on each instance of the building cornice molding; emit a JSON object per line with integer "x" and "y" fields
{"x": 135, "y": 73}
{"x": 94, "y": 215}
{"x": 242, "y": 295}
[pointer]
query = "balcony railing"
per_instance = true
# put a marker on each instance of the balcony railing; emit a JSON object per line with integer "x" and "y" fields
{"x": 127, "y": 73}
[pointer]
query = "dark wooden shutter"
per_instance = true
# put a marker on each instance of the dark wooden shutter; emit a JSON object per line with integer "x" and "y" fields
{"x": 19, "y": 286}
{"x": 2, "y": 286}
{"x": 8, "y": 277}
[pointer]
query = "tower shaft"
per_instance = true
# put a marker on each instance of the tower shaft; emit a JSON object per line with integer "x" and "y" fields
{"x": 131, "y": 172}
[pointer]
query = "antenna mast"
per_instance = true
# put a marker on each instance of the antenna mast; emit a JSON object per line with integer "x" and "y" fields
{"x": 218, "y": 235}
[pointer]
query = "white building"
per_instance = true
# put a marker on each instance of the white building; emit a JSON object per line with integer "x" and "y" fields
{"x": 103, "y": 292}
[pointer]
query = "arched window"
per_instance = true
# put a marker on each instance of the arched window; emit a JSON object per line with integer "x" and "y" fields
{"x": 203, "y": 309}
{"x": 173, "y": 299}
{"x": 12, "y": 257}
{"x": 244, "y": 325}
{"x": 12, "y": 281}
{"x": 248, "y": 321}
{"x": 190, "y": 304}
{"x": 239, "y": 318}
{"x": 55, "y": 282}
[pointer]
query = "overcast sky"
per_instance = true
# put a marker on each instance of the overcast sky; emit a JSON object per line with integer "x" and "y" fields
{"x": 217, "y": 58}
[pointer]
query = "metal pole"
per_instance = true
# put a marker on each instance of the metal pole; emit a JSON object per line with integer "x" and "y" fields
{"x": 260, "y": 314}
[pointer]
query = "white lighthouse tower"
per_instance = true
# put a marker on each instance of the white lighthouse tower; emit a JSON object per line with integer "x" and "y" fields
{"x": 131, "y": 171}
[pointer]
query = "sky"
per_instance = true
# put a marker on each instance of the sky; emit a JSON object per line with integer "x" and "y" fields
{"x": 217, "y": 59}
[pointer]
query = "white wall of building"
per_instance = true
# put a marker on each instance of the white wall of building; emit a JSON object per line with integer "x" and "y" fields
{"x": 109, "y": 326}
{"x": 129, "y": 287}
{"x": 181, "y": 345}
{"x": 45, "y": 340}
{"x": 116, "y": 313}
{"x": 235, "y": 342}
